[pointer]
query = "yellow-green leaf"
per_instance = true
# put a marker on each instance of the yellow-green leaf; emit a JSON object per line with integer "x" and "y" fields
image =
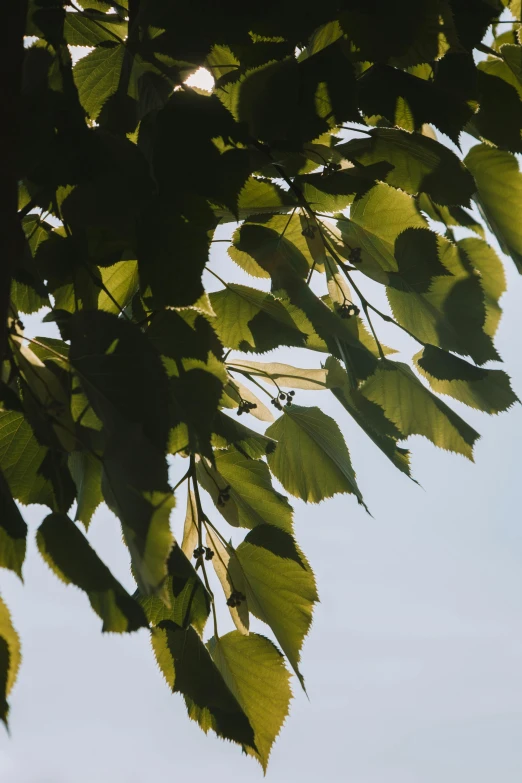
{"x": 416, "y": 411}
{"x": 10, "y": 658}
{"x": 254, "y": 670}
{"x": 311, "y": 459}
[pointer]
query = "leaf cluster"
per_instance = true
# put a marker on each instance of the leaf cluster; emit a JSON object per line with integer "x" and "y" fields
{"x": 319, "y": 142}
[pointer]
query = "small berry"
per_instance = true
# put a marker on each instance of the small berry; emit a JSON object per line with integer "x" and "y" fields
{"x": 348, "y": 310}
{"x": 309, "y": 232}
{"x": 235, "y": 599}
{"x": 291, "y": 393}
{"x": 198, "y": 552}
{"x": 223, "y": 495}
{"x": 355, "y": 255}
{"x": 209, "y": 554}
{"x": 245, "y": 407}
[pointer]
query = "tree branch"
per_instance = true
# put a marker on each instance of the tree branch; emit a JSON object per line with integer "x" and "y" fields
{"x": 11, "y": 235}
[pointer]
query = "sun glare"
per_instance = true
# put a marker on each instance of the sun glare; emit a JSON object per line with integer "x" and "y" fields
{"x": 202, "y": 79}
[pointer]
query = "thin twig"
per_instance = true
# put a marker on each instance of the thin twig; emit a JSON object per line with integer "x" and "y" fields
{"x": 250, "y": 378}
{"x": 180, "y": 482}
{"x": 42, "y": 345}
{"x": 364, "y": 302}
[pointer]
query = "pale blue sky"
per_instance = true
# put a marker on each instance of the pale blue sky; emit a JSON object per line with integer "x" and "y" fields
{"x": 413, "y": 663}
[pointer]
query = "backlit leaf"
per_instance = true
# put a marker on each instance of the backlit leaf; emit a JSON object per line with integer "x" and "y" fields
{"x": 189, "y": 670}
{"x": 13, "y": 531}
{"x": 254, "y": 670}
{"x": 499, "y": 190}
{"x": 184, "y": 599}
{"x": 420, "y": 164}
{"x": 414, "y": 410}
{"x": 311, "y": 459}
{"x": 280, "y": 587}
{"x": 10, "y": 658}
{"x": 485, "y": 390}
{"x": 68, "y": 553}
{"x": 252, "y": 499}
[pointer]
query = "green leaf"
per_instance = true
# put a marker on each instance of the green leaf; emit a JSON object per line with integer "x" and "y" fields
{"x": 499, "y": 191}
{"x": 108, "y": 198}
{"x": 512, "y": 56}
{"x": 486, "y": 264}
{"x": 392, "y": 93}
{"x": 368, "y": 415}
{"x": 499, "y": 119}
{"x": 211, "y": 165}
{"x": 417, "y": 33}
{"x": 188, "y": 669}
{"x": 258, "y": 197}
{"x": 248, "y": 442}
{"x": 420, "y": 164}
{"x": 485, "y": 390}
{"x": 333, "y": 192}
{"x": 10, "y": 659}
{"x": 120, "y": 281}
{"x": 374, "y": 236}
{"x": 125, "y": 383}
{"x": 311, "y": 459}
{"x": 97, "y": 76}
{"x": 254, "y": 246}
{"x": 432, "y": 291}
{"x": 183, "y": 334}
{"x": 91, "y": 28}
{"x": 196, "y": 389}
{"x": 86, "y": 470}
{"x": 173, "y": 246}
{"x": 450, "y": 216}
{"x": 21, "y": 459}
{"x": 13, "y": 531}
{"x": 254, "y": 670}
{"x": 47, "y": 391}
{"x": 184, "y": 599}
{"x": 416, "y": 411}
{"x": 447, "y": 310}
{"x": 252, "y": 499}
{"x": 338, "y": 296}
{"x": 308, "y": 311}
{"x": 280, "y": 587}
{"x": 68, "y": 553}
{"x": 252, "y": 320}
{"x": 292, "y": 102}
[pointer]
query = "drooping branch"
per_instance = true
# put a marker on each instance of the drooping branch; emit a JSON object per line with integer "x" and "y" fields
{"x": 11, "y": 236}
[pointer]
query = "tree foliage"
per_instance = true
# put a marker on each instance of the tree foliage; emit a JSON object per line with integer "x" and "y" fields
{"x": 124, "y": 173}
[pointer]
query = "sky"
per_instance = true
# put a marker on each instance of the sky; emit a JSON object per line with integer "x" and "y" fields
{"x": 412, "y": 664}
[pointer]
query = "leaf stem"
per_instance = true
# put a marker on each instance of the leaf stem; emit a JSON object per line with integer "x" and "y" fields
{"x": 364, "y": 302}
{"x": 250, "y": 378}
{"x": 180, "y": 482}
